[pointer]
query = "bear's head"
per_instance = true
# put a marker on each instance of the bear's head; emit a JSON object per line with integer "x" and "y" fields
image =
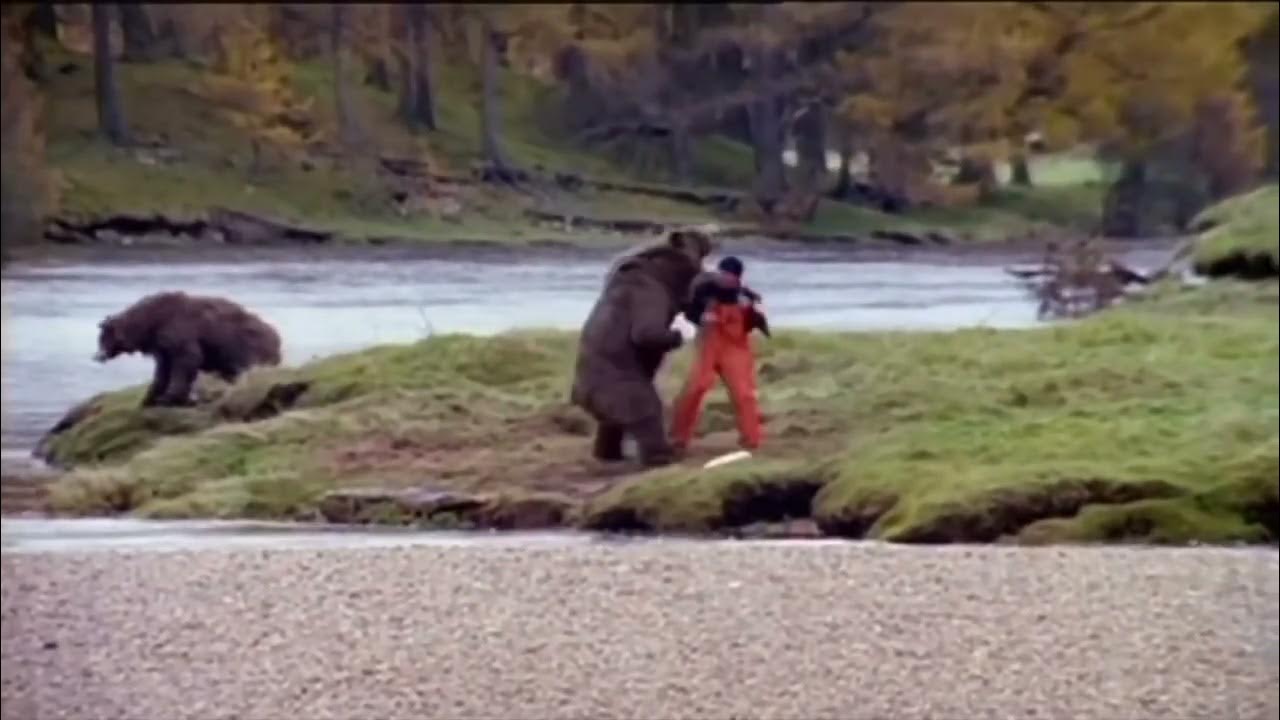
{"x": 111, "y": 341}
{"x": 693, "y": 243}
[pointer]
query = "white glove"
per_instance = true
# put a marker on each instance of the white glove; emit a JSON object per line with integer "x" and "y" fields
{"x": 686, "y": 328}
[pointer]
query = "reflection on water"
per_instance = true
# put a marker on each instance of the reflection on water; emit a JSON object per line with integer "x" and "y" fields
{"x": 326, "y": 306}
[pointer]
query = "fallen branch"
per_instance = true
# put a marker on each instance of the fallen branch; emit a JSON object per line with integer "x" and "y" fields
{"x": 1078, "y": 280}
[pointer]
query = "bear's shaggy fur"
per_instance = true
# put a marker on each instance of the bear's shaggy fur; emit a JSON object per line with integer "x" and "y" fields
{"x": 625, "y": 339}
{"x": 188, "y": 334}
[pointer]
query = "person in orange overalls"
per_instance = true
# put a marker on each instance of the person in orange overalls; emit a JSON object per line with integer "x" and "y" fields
{"x": 725, "y": 312}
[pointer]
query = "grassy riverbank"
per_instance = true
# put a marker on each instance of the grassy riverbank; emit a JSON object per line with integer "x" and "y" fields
{"x": 1241, "y": 236}
{"x": 1156, "y": 421}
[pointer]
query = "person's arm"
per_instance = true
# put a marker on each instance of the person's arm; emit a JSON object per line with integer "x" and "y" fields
{"x": 759, "y": 321}
{"x": 756, "y": 316}
{"x": 702, "y": 291}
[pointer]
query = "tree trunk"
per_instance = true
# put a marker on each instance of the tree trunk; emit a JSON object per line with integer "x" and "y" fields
{"x": 347, "y": 130}
{"x": 1020, "y": 170}
{"x": 894, "y": 172}
{"x": 811, "y": 147}
{"x": 417, "y": 96}
{"x": 1122, "y": 208}
{"x": 978, "y": 171}
{"x": 106, "y": 94}
{"x": 139, "y": 39}
{"x": 43, "y": 20}
{"x": 30, "y": 55}
{"x": 408, "y": 65}
{"x": 491, "y": 110}
{"x": 1263, "y": 76}
{"x": 377, "y": 76}
{"x": 765, "y": 118}
{"x": 844, "y": 176}
{"x": 424, "y": 107}
{"x": 770, "y": 182}
{"x": 172, "y": 40}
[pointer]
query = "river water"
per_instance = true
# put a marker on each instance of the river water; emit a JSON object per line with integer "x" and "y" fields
{"x": 51, "y": 314}
{"x": 328, "y": 305}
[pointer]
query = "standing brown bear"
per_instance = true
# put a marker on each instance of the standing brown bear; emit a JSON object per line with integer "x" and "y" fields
{"x": 625, "y": 339}
{"x": 188, "y": 334}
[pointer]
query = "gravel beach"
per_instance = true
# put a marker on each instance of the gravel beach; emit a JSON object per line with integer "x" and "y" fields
{"x": 645, "y": 630}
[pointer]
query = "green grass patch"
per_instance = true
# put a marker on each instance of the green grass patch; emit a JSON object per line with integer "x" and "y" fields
{"x": 1077, "y": 207}
{"x": 1071, "y": 168}
{"x": 1243, "y": 235}
{"x": 1156, "y": 421}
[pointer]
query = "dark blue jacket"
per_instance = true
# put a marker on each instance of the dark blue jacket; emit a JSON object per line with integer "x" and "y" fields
{"x": 710, "y": 289}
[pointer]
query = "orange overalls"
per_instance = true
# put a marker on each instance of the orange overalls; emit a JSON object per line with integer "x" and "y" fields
{"x": 724, "y": 349}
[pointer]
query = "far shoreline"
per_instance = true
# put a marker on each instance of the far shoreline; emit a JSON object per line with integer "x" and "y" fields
{"x": 978, "y": 253}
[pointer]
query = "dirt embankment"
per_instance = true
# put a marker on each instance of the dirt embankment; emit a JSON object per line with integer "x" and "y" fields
{"x": 539, "y": 476}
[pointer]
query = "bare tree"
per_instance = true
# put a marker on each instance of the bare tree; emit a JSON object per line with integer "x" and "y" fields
{"x": 106, "y": 93}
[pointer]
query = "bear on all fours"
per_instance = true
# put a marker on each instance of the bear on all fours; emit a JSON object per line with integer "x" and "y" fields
{"x": 185, "y": 335}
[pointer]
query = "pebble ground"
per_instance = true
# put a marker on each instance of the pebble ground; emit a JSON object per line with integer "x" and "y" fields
{"x": 651, "y": 631}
